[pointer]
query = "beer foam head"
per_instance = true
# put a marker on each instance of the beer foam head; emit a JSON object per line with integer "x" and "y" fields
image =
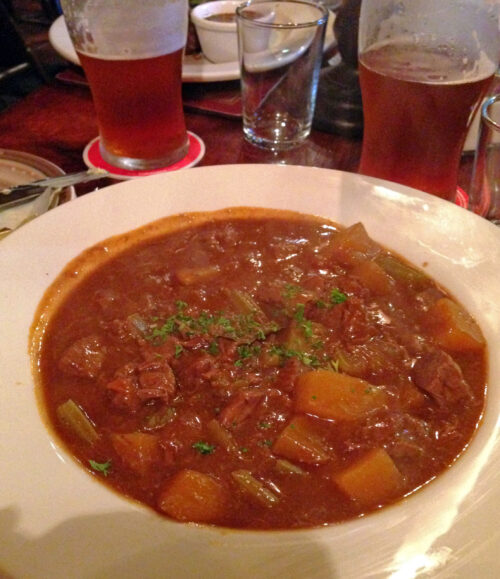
{"x": 125, "y": 29}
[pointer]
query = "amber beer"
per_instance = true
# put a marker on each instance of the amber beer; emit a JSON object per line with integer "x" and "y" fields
{"x": 132, "y": 57}
{"x": 139, "y": 107}
{"x": 418, "y": 105}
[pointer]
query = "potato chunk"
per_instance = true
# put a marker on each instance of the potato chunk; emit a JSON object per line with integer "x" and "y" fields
{"x": 373, "y": 479}
{"x": 453, "y": 328}
{"x": 336, "y": 396}
{"x": 138, "y": 450}
{"x": 193, "y": 496}
{"x": 298, "y": 442}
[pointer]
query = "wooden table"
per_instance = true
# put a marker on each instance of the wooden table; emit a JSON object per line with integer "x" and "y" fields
{"x": 58, "y": 120}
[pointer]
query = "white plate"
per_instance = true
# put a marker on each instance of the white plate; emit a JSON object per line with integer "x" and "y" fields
{"x": 196, "y": 68}
{"x": 56, "y": 521}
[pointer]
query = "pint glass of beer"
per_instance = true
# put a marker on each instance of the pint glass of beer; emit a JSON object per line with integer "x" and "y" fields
{"x": 132, "y": 57}
{"x": 424, "y": 67}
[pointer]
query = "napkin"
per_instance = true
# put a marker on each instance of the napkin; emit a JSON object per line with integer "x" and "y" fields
{"x": 13, "y": 217}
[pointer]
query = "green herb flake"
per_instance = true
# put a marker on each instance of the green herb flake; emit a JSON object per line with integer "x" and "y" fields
{"x": 246, "y": 351}
{"x": 291, "y": 290}
{"x": 101, "y": 467}
{"x": 337, "y": 297}
{"x": 308, "y": 328}
{"x": 203, "y": 447}
{"x": 299, "y": 313}
{"x": 178, "y": 350}
{"x": 213, "y": 348}
{"x": 264, "y": 425}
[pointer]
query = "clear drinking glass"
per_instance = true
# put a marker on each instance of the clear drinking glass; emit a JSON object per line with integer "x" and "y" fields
{"x": 132, "y": 57}
{"x": 424, "y": 67}
{"x": 280, "y": 50}
{"x": 484, "y": 194}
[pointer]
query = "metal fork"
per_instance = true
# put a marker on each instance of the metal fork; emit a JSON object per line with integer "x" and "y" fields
{"x": 18, "y": 194}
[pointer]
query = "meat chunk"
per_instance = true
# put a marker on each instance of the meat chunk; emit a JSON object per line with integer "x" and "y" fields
{"x": 134, "y": 385}
{"x": 84, "y": 357}
{"x": 356, "y": 324}
{"x": 440, "y": 376}
{"x": 156, "y": 380}
{"x": 240, "y": 407}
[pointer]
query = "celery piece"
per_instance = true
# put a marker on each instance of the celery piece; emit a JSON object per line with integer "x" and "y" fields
{"x": 244, "y": 303}
{"x": 400, "y": 271}
{"x": 287, "y": 467}
{"x": 72, "y": 416}
{"x": 222, "y": 436}
{"x": 254, "y": 488}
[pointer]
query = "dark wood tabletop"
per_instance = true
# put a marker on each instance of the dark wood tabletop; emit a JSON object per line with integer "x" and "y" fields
{"x": 58, "y": 120}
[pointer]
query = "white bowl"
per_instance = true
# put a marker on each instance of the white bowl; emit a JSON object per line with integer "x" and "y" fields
{"x": 218, "y": 40}
{"x": 57, "y": 521}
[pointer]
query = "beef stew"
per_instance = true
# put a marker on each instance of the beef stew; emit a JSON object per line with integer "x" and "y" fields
{"x": 258, "y": 369}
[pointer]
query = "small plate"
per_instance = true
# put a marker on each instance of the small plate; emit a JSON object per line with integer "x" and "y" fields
{"x": 17, "y": 168}
{"x": 196, "y": 68}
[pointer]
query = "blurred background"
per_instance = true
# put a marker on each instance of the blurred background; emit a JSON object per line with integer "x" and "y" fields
{"x": 26, "y": 56}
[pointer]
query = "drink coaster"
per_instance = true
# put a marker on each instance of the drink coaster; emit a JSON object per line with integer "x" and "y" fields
{"x": 462, "y": 199}
{"x": 93, "y": 159}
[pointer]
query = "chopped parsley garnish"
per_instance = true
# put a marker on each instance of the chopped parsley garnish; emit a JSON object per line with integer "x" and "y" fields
{"x": 246, "y": 351}
{"x": 299, "y": 313}
{"x": 305, "y": 324}
{"x": 306, "y": 358}
{"x": 264, "y": 425}
{"x": 213, "y": 348}
{"x": 291, "y": 290}
{"x": 203, "y": 447}
{"x": 178, "y": 350}
{"x": 102, "y": 467}
{"x": 337, "y": 297}
{"x": 244, "y": 327}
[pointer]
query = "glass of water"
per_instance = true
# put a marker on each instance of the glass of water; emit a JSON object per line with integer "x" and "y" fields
{"x": 280, "y": 51}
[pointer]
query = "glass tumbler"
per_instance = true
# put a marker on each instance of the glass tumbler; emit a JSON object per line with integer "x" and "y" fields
{"x": 280, "y": 50}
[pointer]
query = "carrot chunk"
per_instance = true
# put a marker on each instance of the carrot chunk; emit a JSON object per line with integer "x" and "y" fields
{"x": 298, "y": 441}
{"x": 336, "y": 396}
{"x": 193, "y": 496}
{"x": 138, "y": 450}
{"x": 453, "y": 328}
{"x": 373, "y": 479}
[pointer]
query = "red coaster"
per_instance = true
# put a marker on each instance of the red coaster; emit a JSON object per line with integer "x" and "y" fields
{"x": 462, "y": 199}
{"x": 93, "y": 159}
